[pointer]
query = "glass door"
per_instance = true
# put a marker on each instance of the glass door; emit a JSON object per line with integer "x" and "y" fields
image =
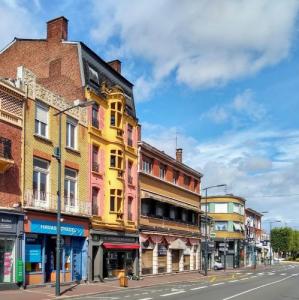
{"x": 7, "y": 260}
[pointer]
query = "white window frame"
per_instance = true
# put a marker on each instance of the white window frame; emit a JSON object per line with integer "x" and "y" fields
{"x": 38, "y": 201}
{"x": 39, "y": 105}
{"x": 67, "y": 182}
{"x": 217, "y": 222}
{"x": 69, "y": 124}
{"x": 221, "y": 209}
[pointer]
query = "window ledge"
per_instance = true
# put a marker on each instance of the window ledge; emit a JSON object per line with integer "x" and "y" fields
{"x": 97, "y": 173}
{"x": 77, "y": 152}
{"x": 131, "y": 185}
{"x": 43, "y": 138}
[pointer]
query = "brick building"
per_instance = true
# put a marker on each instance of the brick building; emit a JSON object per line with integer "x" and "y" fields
{"x": 74, "y": 71}
{"x": 11, "y": 218}
{"x": 170, "y": 213}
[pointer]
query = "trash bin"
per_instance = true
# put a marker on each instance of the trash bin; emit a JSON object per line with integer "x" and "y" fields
{"x": 123, "y": 281}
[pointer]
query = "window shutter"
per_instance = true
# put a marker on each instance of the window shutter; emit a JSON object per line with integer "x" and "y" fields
{"x": 41, "y": 114}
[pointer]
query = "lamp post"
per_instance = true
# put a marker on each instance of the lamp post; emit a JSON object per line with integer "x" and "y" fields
{"x": 206, "y": 221}
{"x": 58, "y": 156}
{"x": 272, "y": 222}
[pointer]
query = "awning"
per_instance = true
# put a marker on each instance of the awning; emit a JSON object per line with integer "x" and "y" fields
{"x": 237, "y": 227}
{"x": 120, "y": 246}
{"x": 177, "y": 244}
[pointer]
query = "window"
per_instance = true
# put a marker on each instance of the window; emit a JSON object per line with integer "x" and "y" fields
{"x": 115, "y": 200}
{"x": 237, "y": 226}
{"x": 41, "y": 119}
{"x": 116, "y": 159}
{"x": 162, "y": 173}
{"x": 94, "y": 117}
{"x": 195, "y": 185}
{"x": 33, "y": 254}
{"x": 221, "y": 208}
{"x": 116, "y": 114}
{"x": 40, "y": 179}
{"x": 95, "y": 158}
{"x": 130, "y": 177}
{"x": 70, "y": 186}
{"x": 130, "y": 203}
{"x": 220, "y": 226}
{"x": 130, "y": 135}
{"x": 203, "y": 207}
{"x": 147, "y": 164}
{"x": 93, "y": 75}
{"x": 95, "y": 208}
{"x": 71, "y": 130}
{"x": 187, "y": 180}
{"x": 175, "y": 176}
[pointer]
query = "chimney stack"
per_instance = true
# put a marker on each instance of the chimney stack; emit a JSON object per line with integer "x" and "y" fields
{"x": 57, "y": 29}
{"x": 116, "y": 65}
{"x": 179, "y": 155}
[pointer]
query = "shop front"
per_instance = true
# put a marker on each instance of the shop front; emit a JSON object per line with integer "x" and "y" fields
{"x": 112, "y": 254}
{"x": 40, "y": 249}
{"x": 11, "y": 238}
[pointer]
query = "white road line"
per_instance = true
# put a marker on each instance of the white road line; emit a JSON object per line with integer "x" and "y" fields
{"x": 174, "y": 293}
{"x": 244, "y": 278}
{"x": 234, "y": 280}
{"x": 217, "y": 283}
{"x": 253, "y": 276}
{"x": 249, "y": 273}
{"x": 199, "y": 288}
{"x": 146, "y": 299}
{"x": 260, "y": 273}
{"x": 283, "y": 274}
{"x": 256, "y": 288}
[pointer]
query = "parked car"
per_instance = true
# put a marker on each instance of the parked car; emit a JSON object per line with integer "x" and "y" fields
{"x": 218, "y": 265}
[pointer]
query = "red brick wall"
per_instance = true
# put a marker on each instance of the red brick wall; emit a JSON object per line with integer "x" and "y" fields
{"x": 37, "y": 56}
{"x": 10, "y": 181}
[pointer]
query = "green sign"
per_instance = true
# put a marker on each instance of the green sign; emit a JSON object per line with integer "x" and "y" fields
{"x": 213, "y": 234}
{"x": 19, "y": 270}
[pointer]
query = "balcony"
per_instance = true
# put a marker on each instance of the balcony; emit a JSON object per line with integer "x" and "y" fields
{"x": 6, "y": 160}
{"x": 95, "y": 123}
{"x": 130, "y": 180}
{"x": 130, "y": 142}
{"x": 48, "y": 202}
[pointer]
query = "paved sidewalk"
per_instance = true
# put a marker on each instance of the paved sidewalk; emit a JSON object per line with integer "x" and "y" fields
{"x": 75, "y": 290}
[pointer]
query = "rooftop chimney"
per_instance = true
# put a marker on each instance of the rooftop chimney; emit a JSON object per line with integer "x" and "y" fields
{"x": 179, "y": 155}
{"x": 116, "y": 65}
{"x": 57, "y": 29}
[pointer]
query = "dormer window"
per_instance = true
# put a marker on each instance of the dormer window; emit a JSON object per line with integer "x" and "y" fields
{"x": 93, "y": 75}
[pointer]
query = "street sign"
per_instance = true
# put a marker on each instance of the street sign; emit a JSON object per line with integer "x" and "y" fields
{"x": 223, "y": 244}
{"x": 223, "y": 249}
{"x": 213, "y": 234}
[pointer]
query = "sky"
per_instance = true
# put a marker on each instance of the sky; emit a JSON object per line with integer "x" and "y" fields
{"x": 217, "y": 78}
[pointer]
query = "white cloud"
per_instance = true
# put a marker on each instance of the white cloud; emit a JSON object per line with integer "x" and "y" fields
{"x": 248, "y": 161}
{"x": 241, "y": 110}
{"x": 205, "y": 43}
{"x": 16, "y": 21}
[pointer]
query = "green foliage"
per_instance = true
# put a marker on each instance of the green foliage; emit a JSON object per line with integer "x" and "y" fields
{"x": 285, "y": 240}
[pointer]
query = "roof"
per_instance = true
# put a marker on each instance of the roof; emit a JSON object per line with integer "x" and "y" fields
{"x": 169, "y": 158}
{"x": 230, "y": 196}
{"x": 253, "y": 211}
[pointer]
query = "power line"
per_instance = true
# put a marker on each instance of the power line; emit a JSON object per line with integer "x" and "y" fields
{"x": 268, "y": 196}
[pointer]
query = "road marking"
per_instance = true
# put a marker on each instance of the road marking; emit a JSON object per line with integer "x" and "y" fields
{"x": 213, "y": 279}
{"x": 146, "y": 299}
{"x": 234, "y": 280}
{"x": 249, "y": 273}
{"x": 217, "y": 283}
{"x": 174, "y": 293}
{"x": 253, "y": 276}
{"x": 271, "y": 273}
{"x": 256, "y": 288}
{"x": 199, "y": 288}
{"x": 244, "y": 278}
{"x": 260, "y": 273}
{"x": 283, "y": 274}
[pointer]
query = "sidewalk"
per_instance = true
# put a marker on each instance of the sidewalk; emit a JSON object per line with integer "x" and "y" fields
{"x": 76, "y": 290}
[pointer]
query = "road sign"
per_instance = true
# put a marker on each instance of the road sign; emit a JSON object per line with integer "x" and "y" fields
{"x": 223, "y": 244}
{"x": 213, "y": 234}
{"x": 223, "y": 249}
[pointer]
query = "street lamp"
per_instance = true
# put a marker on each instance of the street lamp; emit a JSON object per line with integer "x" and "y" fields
{"x": 206, "y": 221}
{"x": 58, "y": 156}
{"x": 272, "y": 222}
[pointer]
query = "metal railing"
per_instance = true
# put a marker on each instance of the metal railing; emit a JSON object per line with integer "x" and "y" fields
{"x": 95, "y": 167}
{"x": 95, "y": 123}
{"x": 130, "y": 142}
{"x": 5, "y": 148}
{"x": 48, "y": 201}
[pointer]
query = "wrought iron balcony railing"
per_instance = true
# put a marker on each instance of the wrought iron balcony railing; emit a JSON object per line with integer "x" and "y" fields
{"x": 5, "y": 148}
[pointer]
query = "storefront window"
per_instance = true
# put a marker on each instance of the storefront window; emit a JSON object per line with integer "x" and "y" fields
{"x": 6, "y": 260}
{"x": 33, "y": 256}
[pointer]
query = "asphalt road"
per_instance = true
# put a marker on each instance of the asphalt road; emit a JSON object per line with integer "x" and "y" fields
{"x": 279, "y": 282}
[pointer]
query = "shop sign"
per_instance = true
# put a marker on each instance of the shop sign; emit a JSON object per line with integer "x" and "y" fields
{"x": 118, "y": 239}
{"x": 8, "y": 223}
{"x": 187, "y": 251}
{"x": 48, "y": 227}
{"x": 19, "y": 270}
{"x": 33, "y": 253}
{"x": 162, "y": 250}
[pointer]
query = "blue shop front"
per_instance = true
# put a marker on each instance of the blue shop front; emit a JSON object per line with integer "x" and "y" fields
{"x": 40, "y": 249}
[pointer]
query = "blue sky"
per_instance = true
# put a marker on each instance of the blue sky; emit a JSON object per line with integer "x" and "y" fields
{"x": 221, "y": 75}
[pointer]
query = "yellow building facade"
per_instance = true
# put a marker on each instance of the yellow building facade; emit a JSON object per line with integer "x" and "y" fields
{"x": 228, "y": 217}
{"x": 40, "y": 181}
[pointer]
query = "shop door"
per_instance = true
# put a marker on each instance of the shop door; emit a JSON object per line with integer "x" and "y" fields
{"x": 147, "y": 261}
{"x": 77, "y": 264}
{"x": 175, "y": 254}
